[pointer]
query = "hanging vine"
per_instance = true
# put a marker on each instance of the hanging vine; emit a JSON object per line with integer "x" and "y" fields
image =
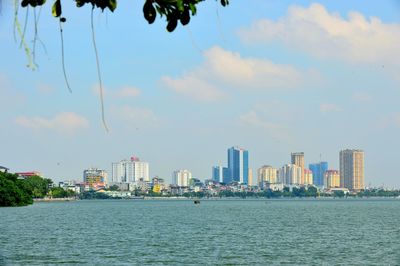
{"x": 174, "y": 11}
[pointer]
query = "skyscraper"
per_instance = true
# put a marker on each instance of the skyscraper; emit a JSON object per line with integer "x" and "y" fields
{"x": 290, "y": 174}
{"x": 267, "y": 174}
{"x": 252, "y": 181}
{"x": 220, "y": 174}
{"x": 318, "y": 170}
{"x": 352, "y": 169}
{"x": 298, "y": 159}
{"x": 129, "y": 171}
{"x": 308, "y": 177}
{"x": 238, "y": 164}
{"x": 181, "y": 178}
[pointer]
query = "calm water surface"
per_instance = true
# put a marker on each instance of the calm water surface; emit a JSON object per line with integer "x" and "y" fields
{"x": 231, "y": 232}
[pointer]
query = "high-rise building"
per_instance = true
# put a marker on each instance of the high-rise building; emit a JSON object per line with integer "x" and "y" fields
{"x": 238, "y": 164}
{"x": 308, "y": 177}
{"x": 267, "y": 174}
{"x": 95, "y": 176}
{"x": 352, "y": 169}
{"x": 181, "y": 178}
{"x": 290, "y": 174}
{"x": 332, "y": 179}
{"x": 130, "y": 171}
{"x": 251, "y": 180}
{"x": 221, "y": 174}
{"x": 318, "y": 170}
{"x": 298, "y": 159}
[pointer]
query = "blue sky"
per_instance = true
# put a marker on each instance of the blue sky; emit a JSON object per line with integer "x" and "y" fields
{"x": 274, "y": 77}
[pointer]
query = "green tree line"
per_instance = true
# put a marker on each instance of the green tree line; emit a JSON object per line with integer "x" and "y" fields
{"x": 16, "y": 191}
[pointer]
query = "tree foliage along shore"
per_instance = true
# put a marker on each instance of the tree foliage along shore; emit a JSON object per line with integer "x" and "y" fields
{"x": 13, "y": 191}
{"x": 20, "y": 192}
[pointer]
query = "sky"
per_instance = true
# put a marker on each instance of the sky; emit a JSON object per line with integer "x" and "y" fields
{"x": 270, "y": 76}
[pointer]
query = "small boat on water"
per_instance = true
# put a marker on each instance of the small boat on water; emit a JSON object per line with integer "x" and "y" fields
{"x": 196, "y": 201}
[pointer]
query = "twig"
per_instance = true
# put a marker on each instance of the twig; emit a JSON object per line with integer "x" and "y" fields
{"x": 63, "y": 58}
{"x": 35, "y": 36}
{"x": 16, "y": 6}
{"x": 98, "y": 73}
{"x": 25, "y": 25}
{"x": 193, "y": 40}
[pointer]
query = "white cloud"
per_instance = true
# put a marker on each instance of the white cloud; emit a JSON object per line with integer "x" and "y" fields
{"x": 389, "y": 120}
{"x": 134, "y": 117}
{"x": 222, "y": 68}
{"x": 257, "y": 122}
{"x": 329, "y": 108}
{"x": 232, "y": 68}
{"x": 362, "y": 97}
{"x": 253, "y": 119}
{"x": 127, "y": 92}
{"x": 122, "y": 92}
{"x": 194, "y": 87}
{"x": 328, "y": 35}
{"x": 67, "y": 122}
{"x": 396, "y": 120}
{"x": 10, "y": 96}
{"x": 45, "y": 88}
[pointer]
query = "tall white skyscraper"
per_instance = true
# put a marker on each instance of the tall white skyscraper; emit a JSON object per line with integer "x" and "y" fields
{"x": 181, "y": 178}
{"x": 129, "y": 171}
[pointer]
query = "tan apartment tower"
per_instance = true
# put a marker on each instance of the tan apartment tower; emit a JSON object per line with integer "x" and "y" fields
{"x": 352, "y": 169}
{"x": 298, "y": 159}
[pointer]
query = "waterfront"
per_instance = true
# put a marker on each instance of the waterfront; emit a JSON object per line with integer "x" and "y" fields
{"x": 223, "y": 232}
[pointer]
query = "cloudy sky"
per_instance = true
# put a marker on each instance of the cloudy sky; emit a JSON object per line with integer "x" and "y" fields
{"x": 271, "y": 76}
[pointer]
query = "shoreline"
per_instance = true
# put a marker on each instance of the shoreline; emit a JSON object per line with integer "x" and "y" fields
{"x": 54, "y": 199}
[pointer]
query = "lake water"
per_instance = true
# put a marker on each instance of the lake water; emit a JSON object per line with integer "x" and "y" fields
{"x": 216, "y": 232}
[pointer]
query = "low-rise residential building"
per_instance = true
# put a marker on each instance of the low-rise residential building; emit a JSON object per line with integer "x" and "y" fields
{"x": 3, "y": 169}
{"x": 24, "y": 175}
{"x": 274, "y": 186}
{"x": 70, "y": 185}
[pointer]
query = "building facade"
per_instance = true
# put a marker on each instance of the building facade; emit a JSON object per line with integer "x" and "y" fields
{"x": 95, "y": 176}
{"x": 130, "y": 171}
{"x": 318, "y": 170}
{"x": 181, "y": 178}
{"x": 307, "y": 177}
{"x": 297, "y": 158}
{"x": 238, "y": 164}
{"x": 332, "y": 179}
{"x": 252, "y": 181}
{"x": 290, "y": 174}
{"x": 267, "y": 174}
{"x": 352, "y": 169}
{"x": 221, "y": 174}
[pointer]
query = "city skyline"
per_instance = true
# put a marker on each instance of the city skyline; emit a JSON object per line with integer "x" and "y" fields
{"x": 274, "y": 77}
{"x": 351, "y": 174}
